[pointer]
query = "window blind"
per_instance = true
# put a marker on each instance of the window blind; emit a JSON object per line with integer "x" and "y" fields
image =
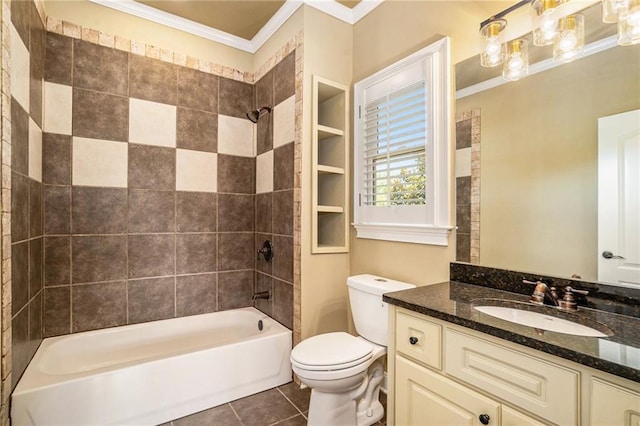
{"x": 395, "y": 132}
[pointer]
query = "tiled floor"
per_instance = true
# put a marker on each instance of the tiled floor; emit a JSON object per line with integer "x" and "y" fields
{"x": 286, "y": 405}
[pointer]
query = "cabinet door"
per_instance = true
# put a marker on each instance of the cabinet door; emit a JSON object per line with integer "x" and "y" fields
{"x": 511, "y": 417}
{"x": 426, "y": 398}
{"x": 613, "y": 405}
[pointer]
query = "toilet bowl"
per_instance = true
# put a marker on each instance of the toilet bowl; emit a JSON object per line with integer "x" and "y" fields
{"x": 343, "y": 371}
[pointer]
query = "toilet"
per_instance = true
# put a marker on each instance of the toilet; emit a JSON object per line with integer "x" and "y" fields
{"x": 344, "y": 372}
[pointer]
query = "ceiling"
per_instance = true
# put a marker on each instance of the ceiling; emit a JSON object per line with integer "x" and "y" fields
{"x": 242, "y": 18}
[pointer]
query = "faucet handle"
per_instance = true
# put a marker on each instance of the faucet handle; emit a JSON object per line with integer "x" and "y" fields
{"x": 569, "y": 289}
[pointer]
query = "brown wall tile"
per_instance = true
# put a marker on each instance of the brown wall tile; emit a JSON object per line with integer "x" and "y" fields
{"x": 264, "y": 283}
{"x": 196, "y": 211}
{"x": 98, "y": 306}
{"x": 463, "y": 218}
{"x": 151, "y": 211}
{"x": 153, "y": 80}
{"x": 36, "y": 206}
{"x": 19, "y": 276}
{"x": 19, "y": 138}
{"x": 151, "y": 299}
{"x": 283, "y": 212}
{"x": 99, "y": 210}
{"x": 155, "y": 262}
{"x": 21, "y": 19}
{"x": 263, "y": 213}
{"x": 100, "y": 116}
{"x": 19, "y": 207}
{"x": 35, "y": 322}
{"x": 152, "y": 167}
{"x": 235, "y": 212}
{"x": 36, "y": 52}
{"x": 236, "y": 251}
{"x": 20, "y": 347}
{"x": 57, "y": 260}
{"x": 56, "y": 159}
{"x": 235, "y": 289}
{"x": 264, "y": 135}
{"x": 264, "y": 91}
{"x": 57, "y": 209}
{"x": 195, "y": 294}
{"x": 283, "y": 167}
{"x": 100, "y": 68}
{"x": 463, "y": 134}
{"x": 285, "y": 78}
{"x": 197, "y": 90}
{"x": 283, "y": 258}
{"x": 58, "y": 59}
{"x": 197, "y": 130}
{"x": 57, "y": 311}
{"x": 236, "y": 174}
{"x": 195, "y": 253}
{"x": 236, "y": 98}
{"x": 463, "y": 247}
{"x": 261, "y": 264}
{"x": 463, "y": 190}
{"x": 283, "y": 303}
{"x": 98, "y": 258}
{"x": 35, "y": 266}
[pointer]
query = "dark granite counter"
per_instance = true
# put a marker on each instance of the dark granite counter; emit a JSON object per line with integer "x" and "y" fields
{"x": 453, "y": 302}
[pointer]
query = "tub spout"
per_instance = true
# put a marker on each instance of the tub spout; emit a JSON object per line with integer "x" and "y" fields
{"x": 261, "y": 295}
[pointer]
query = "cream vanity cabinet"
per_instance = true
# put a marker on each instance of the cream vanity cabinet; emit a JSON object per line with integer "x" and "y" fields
{"x": 450, "y": 375}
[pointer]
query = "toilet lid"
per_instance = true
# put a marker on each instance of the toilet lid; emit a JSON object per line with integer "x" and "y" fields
{"x": 331, "y": 351}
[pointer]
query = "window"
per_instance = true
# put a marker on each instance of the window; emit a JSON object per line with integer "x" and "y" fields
{"x": 402, "y": 131}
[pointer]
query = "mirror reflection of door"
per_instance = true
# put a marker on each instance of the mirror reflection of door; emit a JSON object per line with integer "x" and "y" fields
{"x": 619, "y": 199}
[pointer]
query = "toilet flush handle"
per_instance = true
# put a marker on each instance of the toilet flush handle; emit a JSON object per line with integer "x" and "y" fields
{"x": 413, "y": 340}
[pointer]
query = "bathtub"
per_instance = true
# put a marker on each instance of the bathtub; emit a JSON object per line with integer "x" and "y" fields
{"x": 153, "y": 372}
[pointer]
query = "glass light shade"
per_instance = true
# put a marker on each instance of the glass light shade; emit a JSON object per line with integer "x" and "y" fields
{"x": 516, "y": 65}
{"x": 545, "y": 21}
{"x": 570, "y": 42}
{"x": 494, "y": 50}
{"x": 629, "y": 28}
{"x": 614, "y": 10}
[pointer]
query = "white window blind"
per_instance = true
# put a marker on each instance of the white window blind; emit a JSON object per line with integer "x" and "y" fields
{"x": 394, "y": 148}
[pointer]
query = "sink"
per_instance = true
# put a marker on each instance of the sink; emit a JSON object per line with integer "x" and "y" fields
{"x": 542, "y": 317}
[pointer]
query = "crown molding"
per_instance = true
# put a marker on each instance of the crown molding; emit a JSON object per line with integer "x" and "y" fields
{"x": 331, "y": 7}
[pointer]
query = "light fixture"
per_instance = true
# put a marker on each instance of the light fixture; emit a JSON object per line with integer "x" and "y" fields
{"x": 545, "y": 21}
{"x": 569, "y": 44}
{"x": 629, "y": 25}
{"x": 493, "y": 47}
{"x": 516, "y": 65}
{"x": 612, "y": 10}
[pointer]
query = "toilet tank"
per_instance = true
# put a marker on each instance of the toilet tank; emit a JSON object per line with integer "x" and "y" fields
{"x": 370, "y": 313}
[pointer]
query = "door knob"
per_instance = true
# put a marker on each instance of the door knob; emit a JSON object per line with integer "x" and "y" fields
{"x": 413, "y": 340}
{"x": 484, "y": 419}
{"x": 608, "y": 255}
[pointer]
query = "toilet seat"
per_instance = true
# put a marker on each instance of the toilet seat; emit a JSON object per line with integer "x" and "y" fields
{"x": 331, "y": 351}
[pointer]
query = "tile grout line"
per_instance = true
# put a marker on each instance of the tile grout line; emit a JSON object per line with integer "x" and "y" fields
{"x": 291, "y": 402}
{"x": 236, "y": 413}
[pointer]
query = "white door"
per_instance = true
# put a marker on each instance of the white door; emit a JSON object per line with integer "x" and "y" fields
{"x": 619, "y": 199}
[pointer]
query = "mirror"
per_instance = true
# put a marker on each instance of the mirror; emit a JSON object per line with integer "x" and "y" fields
{"x": 539, "y": 152}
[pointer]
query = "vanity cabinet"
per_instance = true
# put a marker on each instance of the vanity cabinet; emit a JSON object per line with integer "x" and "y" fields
{"x": 445, "y": 374}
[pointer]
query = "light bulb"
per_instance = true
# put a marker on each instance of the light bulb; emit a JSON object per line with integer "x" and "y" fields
{"x": 567, "y": 41}
{"x": 493, "y": 50}
{"x": 493, "y": 47}
{"x": 515, "y": 63}
{"x": 614, "y": 10}
{"x": 629, "y": 28}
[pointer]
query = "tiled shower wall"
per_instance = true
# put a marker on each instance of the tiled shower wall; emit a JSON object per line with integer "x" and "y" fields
{"x": 27, "y": 45}
{"x": 150, "y": 177}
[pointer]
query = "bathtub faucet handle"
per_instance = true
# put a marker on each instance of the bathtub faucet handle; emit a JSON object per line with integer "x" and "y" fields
{"x": 266, "y": 251}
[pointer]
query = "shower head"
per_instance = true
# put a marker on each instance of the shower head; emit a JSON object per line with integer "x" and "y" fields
{"x": 254, "y": 115}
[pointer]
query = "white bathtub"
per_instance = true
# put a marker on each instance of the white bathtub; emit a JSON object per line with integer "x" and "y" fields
{"x": 153, "y": 372}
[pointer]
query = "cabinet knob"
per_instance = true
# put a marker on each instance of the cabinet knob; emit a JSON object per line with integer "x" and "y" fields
{"x": 413, "y": 340}
{"x": 484, "y": 419}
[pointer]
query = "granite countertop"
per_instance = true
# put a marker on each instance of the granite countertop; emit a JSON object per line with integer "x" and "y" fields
{"x": 453, "y": 302}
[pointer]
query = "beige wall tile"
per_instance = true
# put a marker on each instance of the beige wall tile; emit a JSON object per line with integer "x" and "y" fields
{"x": 264, "y": 172}
{"x": 152, "y": 123}
{"x": 236, "y": 136}
{"x": 35, "y": 151}
{"x": 20, "y": 71}
{"x": 99, "y": 163}
{"x": 284, "y": 120}
{"x": 196, "y": 171}
{"x": 463, "y": 162}
{"x": 57, "y": 108}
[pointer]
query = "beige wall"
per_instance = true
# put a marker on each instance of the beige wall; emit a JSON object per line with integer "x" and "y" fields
{"x": 327, "y": 53}
{"x": 283, "y": 35}
{"x": 91, "y": 15}
{"x": 538, "y": 206}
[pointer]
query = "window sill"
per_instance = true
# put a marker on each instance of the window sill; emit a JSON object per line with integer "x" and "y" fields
{"x": 417, "y": 234}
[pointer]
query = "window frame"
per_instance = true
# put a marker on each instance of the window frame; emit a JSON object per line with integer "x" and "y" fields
{"x": 431, "y": 225}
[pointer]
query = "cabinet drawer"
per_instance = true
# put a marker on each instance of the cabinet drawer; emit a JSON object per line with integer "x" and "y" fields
{"x": 419, "y": 339}
{"x": 426, "y": 398}
{"x": 613, "y": 404}
{"x": 534, "y": 384}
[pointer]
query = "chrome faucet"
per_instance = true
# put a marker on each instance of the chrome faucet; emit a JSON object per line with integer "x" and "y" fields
{"x": 543, "y": 291}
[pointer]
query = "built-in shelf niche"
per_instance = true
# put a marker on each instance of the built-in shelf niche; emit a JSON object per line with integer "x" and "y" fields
{"x": 330, "y": 162}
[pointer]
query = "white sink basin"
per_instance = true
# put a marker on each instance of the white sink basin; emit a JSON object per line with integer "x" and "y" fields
{"x": 541, "y": 321}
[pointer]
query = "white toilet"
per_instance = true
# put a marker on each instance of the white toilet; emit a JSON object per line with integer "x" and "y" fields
{"x": 344, "y": 372}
